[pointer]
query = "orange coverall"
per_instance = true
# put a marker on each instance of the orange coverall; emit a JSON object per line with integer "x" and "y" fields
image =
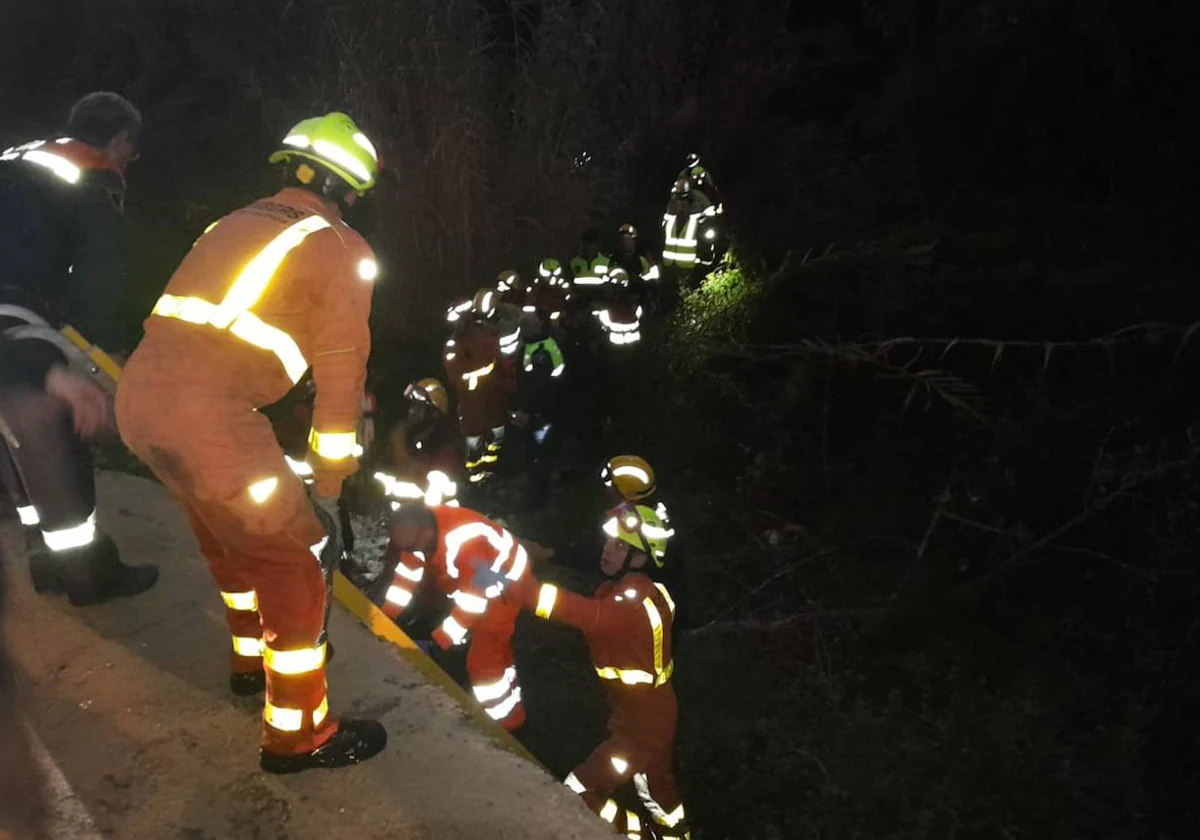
{"x": 484, "y": 570}
{"x": 484, "y": 382}
{"x": 267, "y": 291}
{"x": 627, "y": 624}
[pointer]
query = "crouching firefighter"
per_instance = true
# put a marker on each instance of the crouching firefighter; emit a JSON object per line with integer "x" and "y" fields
{"x": 484, "y": 571}
{"x": 424, "y": 455}
{"x": 61, "y": 200}
{"x": 627, "y": 623}
{"x": 268, "y": 291}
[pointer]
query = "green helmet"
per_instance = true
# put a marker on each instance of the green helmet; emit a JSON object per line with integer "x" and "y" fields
{"x": 642, "y": 527}
{"x": 335, "y": 142}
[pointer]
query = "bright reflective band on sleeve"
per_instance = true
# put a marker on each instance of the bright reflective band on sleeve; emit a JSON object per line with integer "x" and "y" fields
{"x": 332, "y": 446}
{"x": 28, "y": 515}
{"x": 241, "y": 601}
{"x": 633, "y": 826}
{"x": 294, "y": 662}
{"x": 260, "y": 491}
{"x": 572, "y": 782}
{"x": 547, "y": 595}
{"x": 470, "y": 603}
{"x": 368, "y": 269}
{"x": 77, "y": 536}
{"x": 440, "y": 488}
{"x": 57, "y": 164}
{"x": 505, "y": 708}
{"x": 487, "y": 692}
{"x": 501, "y": 541}
{"x": 321, "y": 712}
{"x": 456, "y": 632}
{"x": 619, "y": 764}
{"x": 399, "y": 596}
{"x": 247, "y": 646}
{"x": 609, "y": 812}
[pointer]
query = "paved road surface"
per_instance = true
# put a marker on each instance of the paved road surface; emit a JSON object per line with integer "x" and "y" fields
{"x": 138, "y": 737}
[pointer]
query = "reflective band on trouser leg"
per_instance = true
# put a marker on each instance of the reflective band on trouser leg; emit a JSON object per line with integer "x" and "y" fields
{"x": 664, "y": 813}
{"x": 404, "y": 582}
{"x": 501, "y": 698}
{"x": 633, "y": 826}
{"x": 28, "y": 515}
{"x": 241, "y": 614}
{"x": 72, "y": 536}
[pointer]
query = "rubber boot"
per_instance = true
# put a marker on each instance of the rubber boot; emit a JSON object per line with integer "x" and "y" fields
{"x": 95, "y": 574}
{"x": 354, "y": 742}
{"x": 255, "y": 682}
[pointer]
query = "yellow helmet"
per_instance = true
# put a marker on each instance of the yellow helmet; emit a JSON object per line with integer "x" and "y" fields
{"x": 644, "y": 528}
{"x": 430, "y": 391}
{"x": 631, "y": 475}
{"x": 335, "y": 142}
{"x": 507, "y": 280}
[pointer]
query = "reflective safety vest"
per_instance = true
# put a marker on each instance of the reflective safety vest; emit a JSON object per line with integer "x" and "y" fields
{"x": 550, "y": 347}
{"x": 587, "y": 273}
{"x": 627, "y": 623}
{"x": 68, "y": 160}
{"x": 622, "y": 324}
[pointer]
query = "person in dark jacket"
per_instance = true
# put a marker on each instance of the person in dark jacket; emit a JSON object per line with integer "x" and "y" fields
{"x": 60, "y": 256}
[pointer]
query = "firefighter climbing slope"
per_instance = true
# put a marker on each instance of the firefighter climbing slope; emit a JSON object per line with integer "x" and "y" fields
{"x": 266, "y": 292}
{"x": 628, "y": 626}
{"x": 484, "y": 571}
{"x": 61, "y": 200}
{"x": 424, "y": 457}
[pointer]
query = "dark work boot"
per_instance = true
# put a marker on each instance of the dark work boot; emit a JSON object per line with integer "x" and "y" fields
{"x": 41, "y": 568}
{"x": 95, "y": 574}
{"x": 355, "y": 741}
{"x": 247, "y": 685}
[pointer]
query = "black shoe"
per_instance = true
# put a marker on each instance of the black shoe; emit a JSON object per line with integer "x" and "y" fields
{"x": 355, "y": 741}
{"x": 247, "y": 685}
{"x": 95, "y": 574}
{"x": 41, "y": 569}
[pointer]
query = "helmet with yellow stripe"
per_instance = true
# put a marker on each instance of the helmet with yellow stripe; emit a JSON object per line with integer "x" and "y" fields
{"x": 630, "y": 475}
{"x": 644, "y": 528}
{"x": 335, "y": 143}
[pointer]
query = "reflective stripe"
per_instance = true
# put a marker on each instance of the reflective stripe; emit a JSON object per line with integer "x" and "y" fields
{"x": 301, "y": 468}
{"x": 501, "y": 541}
{"x": 519, "y": 564}
{"x": 57, "y": 164}
{"x": 454, "y": 630}
{"x": 396, "y": 488}
{"x": 414, "y": 575}
{"x": 440, "y": 489}
{"x": 28, "y": 515}
{"x": 260, "y": 491}
{"x": 633, "y": 826}
{"x": 321, "y": 712}
{"x": 609, "y": 812}
{"x": 615, "y": 326}
{"x": 472, "y": 377}
{"x": 630, "y": 676}
{"x": 332, "y": 446}
{"x": 247, "y": 646}
{"x": 656, "y": 627}
{"x": 633, "y": 470}
{"x": 547, "y": 595}
{"x": 399, "y": 596}
{"x": 233, "y": 314}
{"x": 487, "y": 692}
{"x": 368, "y": 269}
{"x": 619, "y": 764}
{"x": 505, "y": 708}
{"x": 285, "y": 720}
{"x": 241, "y": 601}
{"x": 318, "y": 548}
{"x": 77, "y": 536}
{"x": 666, "y": 597}
{"x": 467, "y": 602}
{"x": 294, "y": 662}
{"x": 642, "y": 784}
{"x": 572, "y": 782}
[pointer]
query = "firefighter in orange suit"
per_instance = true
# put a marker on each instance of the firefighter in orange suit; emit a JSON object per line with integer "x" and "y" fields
{"x": 627, "y": 623}
{"x": 266, "y": 292}
{"x": 478, "y": 359}
{"x": 484, "y": 570}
